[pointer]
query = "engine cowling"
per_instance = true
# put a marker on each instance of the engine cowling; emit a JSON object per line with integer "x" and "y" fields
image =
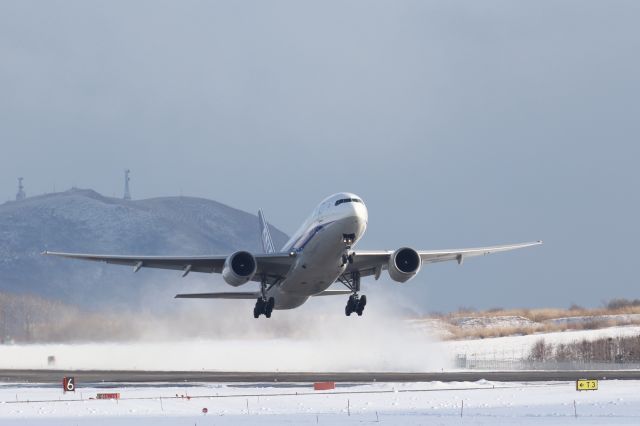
{"x": 239, "y": 268}
{"x": 404, "y": 264}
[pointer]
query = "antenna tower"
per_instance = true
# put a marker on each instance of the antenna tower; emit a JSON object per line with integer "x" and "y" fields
{"x": 127, "y": 193}
{"x": 21, "y": 195}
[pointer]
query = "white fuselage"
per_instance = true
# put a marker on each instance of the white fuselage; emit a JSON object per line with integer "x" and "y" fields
{"x": 319, "y": 245}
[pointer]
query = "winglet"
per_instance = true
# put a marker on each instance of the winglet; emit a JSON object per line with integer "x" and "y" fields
{"x": 267, "y": 242}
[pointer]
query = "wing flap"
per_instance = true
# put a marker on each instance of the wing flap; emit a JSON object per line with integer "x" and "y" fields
{"x": 224, "y": 295}
{"x": 333, "y": 293}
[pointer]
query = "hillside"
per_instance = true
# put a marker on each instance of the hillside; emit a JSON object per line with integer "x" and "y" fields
{"x": 469, "y": 324}
{"x": 85, "y": 221}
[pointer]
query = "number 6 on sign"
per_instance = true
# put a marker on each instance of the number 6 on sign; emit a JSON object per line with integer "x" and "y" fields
{"x": 68, "y": 384}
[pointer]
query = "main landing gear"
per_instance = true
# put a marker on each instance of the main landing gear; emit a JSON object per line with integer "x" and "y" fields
{"x": 263, "y": 307}
{"x": 356, "y": 303}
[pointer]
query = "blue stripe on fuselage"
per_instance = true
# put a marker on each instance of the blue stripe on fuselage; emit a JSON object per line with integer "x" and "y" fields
{"x": 305, "y": 238}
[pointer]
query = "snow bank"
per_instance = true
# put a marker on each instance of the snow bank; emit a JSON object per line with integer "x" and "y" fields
{"x": 615, "y": 403}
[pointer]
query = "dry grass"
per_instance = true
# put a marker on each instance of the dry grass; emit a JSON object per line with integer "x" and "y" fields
{"x": 544, "y": 314}
{"x": 541, "y": 319}
{"x": 458, "y": 333}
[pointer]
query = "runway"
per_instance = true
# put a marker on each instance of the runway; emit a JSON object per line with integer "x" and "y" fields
{"x": 115, "y": 377}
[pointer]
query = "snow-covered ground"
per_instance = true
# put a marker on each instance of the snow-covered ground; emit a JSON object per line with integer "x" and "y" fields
{"x": 518, "y": 347}
{"x": 503, "y": 321}
{"x": 232, "y": 355}
{"x": 404, "y": 352}
{"x": 495, "y": 403}
{"x": 392, "y": 349}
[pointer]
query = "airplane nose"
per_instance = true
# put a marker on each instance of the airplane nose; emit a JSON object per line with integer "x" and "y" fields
{"x": 364, "y": 214}
{"x": 359, "y": 210}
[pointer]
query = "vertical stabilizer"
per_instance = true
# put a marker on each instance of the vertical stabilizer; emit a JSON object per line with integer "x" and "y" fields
{"x": 267, "y": 242}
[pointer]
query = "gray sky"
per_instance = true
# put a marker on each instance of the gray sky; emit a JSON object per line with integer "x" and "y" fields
{"x": 459, "y": 123}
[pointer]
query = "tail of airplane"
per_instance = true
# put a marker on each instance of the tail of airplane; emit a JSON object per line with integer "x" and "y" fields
{"x": 267, "y": 242}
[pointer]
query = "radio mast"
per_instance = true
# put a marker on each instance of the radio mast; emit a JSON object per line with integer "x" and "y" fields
{"x": 21, "y": 195}
{"x": 127, "y": 193}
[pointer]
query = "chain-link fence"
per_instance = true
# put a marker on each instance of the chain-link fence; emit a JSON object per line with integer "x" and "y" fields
{"x": 473, "y": 363}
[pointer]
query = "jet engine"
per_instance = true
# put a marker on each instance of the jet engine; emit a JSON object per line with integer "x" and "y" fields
{"x": 404, "y": 264}
{"x": 239, "y": 268}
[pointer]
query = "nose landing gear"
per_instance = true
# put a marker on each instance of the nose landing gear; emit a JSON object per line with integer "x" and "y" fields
{"x": 348, "y": 239}
{"x": 347, "y": 258}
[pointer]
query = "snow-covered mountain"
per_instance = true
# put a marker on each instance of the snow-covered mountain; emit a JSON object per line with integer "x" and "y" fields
{"x": 85, "y": 221}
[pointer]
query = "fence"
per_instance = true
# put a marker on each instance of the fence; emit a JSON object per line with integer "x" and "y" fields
{"x": 472, "y": 363}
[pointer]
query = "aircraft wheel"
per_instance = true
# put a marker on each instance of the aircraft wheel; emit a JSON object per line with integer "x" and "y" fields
{"x": 259, "y": 308}
{"x": 269, "y": 307}
{"x": 352, "y": 304}
{"x": 361, "y": 304}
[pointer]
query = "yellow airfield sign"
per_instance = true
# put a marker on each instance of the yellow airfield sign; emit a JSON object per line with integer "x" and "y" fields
{"x": 584, "y": 384}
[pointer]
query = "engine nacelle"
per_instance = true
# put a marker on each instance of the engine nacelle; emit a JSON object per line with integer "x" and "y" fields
{"x": 239, "y": 268}
{"x": 404, "y": 264}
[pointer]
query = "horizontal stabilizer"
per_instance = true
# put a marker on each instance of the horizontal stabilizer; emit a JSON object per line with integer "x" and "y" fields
{"x": 227, "y": 295}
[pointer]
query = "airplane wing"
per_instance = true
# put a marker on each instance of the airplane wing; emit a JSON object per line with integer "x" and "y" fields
{"x": 373, "y": 262}
{"x": 272, "y": 265}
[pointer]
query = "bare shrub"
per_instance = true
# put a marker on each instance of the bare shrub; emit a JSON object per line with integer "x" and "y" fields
{"x": 563, "y": 353}
{"x": 609, "y": 349}
{"x": 541, "y": 351}
{"x": 616, "y": 304}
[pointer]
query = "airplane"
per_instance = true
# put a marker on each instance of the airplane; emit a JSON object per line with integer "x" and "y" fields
{"x": 318, "y": 255}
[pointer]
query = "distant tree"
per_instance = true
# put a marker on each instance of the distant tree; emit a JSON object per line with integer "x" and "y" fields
{"x": 563, "y": 353}
{"x": 541, "y": 351}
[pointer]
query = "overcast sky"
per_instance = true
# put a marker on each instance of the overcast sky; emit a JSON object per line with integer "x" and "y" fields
{"x": 459, "y": 123}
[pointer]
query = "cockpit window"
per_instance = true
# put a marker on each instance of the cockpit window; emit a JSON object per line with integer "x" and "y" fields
{"x": 348, "y": 200}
